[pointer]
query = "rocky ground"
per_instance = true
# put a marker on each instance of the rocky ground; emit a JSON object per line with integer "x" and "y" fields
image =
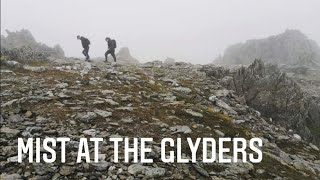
{"x": 149, "y": 100}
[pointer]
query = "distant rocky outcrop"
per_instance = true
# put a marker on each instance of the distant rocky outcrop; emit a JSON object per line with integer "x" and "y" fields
{"x": 124, "y": 56}
{"x": 169, "y": 61}
{"x": 291, "y": 48}
{"x": 21, "y": 45}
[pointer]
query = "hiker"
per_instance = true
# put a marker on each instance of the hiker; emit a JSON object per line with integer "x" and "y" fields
{"x": 112, "y": 45}
{"x": 85, "y": 44}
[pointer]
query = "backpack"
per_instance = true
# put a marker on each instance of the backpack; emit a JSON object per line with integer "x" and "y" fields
{"x": 88, "y": 41}
{"x": 114, "y": 43}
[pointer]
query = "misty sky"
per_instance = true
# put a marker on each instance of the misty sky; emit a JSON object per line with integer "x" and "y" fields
{"x": 187, "y": 30}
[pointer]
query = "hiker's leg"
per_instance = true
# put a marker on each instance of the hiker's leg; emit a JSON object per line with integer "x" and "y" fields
{"x": 87, "y": 56}
{"x": 113, "y": 55}
{"x": 106, "y": 55}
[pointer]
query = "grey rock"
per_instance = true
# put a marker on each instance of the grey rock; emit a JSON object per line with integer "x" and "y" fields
{"x": 15, "y": 118}
{"x": 181, "y": 129}
{"x": 101, "y": 166}
{"x": 314, "y": 147}
{"x": 127, "y": 120}
{"x": 193, "y": 113}
{"x": 66, "y": 170}
{"x": 135, "y": 169}
{"x": 13, "y": 64}
{"x": 124, "y": 57}
{"x": 183, "y": 90}
{"x": 62, "y": 85}
{"x": 6, "y": 176}
{"x": 303, "y": 167}
{"x": 238, "y": 168}
{"x": 89, "y": 116}
{"x": 155, "y": 172}
{"x": 222, "y": 104}
{"x": 125, "y": 108}
{"x": 296, "y": 138}
{"x": 9, "y": 132}
{"x": 200, "y": 170}
{"x": 90, "y": 132}
{"x": 111, "y": 102}
{"x": 105, "y": 92}
{"x": 103, "y": 113}
{"x": 219, "y": 133}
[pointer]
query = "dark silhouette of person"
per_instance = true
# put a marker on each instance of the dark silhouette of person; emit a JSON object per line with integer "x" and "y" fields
{"x": 112, "y": 45}
{"x": 85, "y": 44}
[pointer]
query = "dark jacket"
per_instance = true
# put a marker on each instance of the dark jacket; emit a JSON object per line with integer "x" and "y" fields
{"x": 85, "y": 42}
{"x": 112, "y": 44}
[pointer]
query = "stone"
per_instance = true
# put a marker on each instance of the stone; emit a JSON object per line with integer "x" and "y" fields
{"x": 222, "y": 104}
{"x": 152, "y": 82}
{"x": 314, "y": 147}
{"x": 183, "y": 90}
{"x": 303, "y": 167}
{"x": 15, "y": 118}
{"x": 127, "y": 120}
{"x": 193, "y": 113}
{"x": 124, "y": 56}
{"x": 101, "y": 166}
{"x": 90, "y": 132}
{"x": 238, "y": 121}
{"x": 62, "y": 85}
{"x": 111, "y": 102}
{"x": 296, "y": 138}
{"x": 155, "y": 172}
{"x": 9, "y": 132}
{"x": 15, "y": 158}
{"x": 13, "y": 64}
{"x": 105, "y": 92}
{"x": 200, "y": 170}
{"x": 103, "y": 113}
{"x": 66, "y": 170}
{"x": 260, "y": 171}
{"x": 28, "y": 114}
{"x": 135, "y": 169}
{"x": 9, "y": 103}
{"x": 89, "y": 116}
{"x": 125, "y": 108}
{"x": 222, "y": 93}
{"x": 6, "y": 176}
{"x": 219, "y": 133}
{"x": 63, "y": 95}
{"x": 238, "y": 168}
{"x": 181, "y": 129}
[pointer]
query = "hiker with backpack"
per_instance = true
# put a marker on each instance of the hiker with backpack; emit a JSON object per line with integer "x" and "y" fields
{"x": 85, "y": 44}
{"x": 112, "y": 45}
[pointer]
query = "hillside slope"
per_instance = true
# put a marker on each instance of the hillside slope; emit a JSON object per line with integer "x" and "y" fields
{"x": 150, "y": 100}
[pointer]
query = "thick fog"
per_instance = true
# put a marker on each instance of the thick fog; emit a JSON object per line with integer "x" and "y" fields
{"x": 187, "y": 30}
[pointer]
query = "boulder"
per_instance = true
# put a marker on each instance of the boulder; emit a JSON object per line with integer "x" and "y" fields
{"x": 124, "y": 56}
